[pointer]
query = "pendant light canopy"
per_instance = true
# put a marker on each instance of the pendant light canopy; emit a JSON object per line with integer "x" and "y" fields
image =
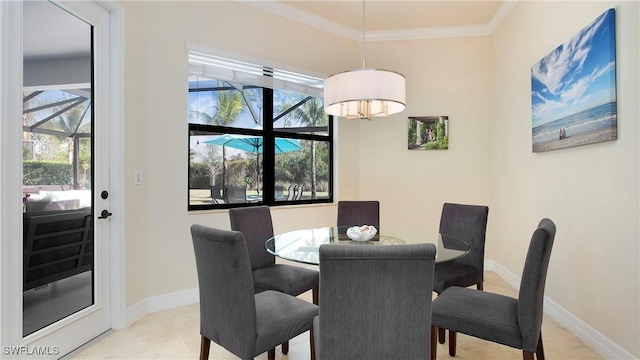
{"x": 364, "y": 93}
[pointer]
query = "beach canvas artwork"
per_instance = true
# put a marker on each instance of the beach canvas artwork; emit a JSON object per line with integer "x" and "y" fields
{"x": 573, "y": 89}
{"x": 428, "y": 133}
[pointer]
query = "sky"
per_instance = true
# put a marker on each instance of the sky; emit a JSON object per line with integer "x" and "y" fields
{"x": 577, "y": 75}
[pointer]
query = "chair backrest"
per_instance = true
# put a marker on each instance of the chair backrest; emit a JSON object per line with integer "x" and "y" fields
{"x": 292, "y": 192}
{"x": 235, "y": 194}
{"x": 216, "y": 192}
{"x": 375, "y": 301}
{"x": 351, "y": 213}
{"x": 469, "y": 223}
{"x": 227, "y": 302}
{"x": 299, "y": 192}
{"x": 256, "y": 225}
{"x": 534, "y": 276}
{"x": 48, "y": 237}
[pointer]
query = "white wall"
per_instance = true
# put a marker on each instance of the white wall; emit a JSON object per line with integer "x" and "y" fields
{"x": 444, "y": 77}
{"x": 159, "y": 250}
{"x": 591, "y": 192}
{"x": 481, "y": 83}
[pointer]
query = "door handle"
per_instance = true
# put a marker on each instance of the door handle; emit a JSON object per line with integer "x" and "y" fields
{"x": 104, "y": 214}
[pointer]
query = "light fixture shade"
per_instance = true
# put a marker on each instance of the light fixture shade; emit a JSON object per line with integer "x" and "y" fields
{"x": 364, "y": 93}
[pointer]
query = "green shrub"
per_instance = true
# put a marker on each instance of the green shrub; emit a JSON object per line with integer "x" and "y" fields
{"x": 432, "y": 146}
{"x": 47, "y": 173}
{"x": 199, "y": 176}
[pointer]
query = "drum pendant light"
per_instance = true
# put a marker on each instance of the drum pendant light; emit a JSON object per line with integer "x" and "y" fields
{"x": 364, "y": 93}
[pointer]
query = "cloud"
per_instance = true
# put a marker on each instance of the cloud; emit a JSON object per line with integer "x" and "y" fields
{"x": 579, "y": 87}
{"x": 576, "y": 90}
{"x": 551, "y": 69}
{"x": 610, "y": 66}
{"x": 539, "y": 96}
{"x": 568, "y": 58}
{"x": 547, "y": 107}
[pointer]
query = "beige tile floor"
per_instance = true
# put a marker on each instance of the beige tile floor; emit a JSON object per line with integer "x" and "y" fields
{"x": 174, "y": 334}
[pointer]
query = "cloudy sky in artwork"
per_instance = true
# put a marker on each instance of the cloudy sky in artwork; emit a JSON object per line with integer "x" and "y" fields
{"x": 578, "y": 75}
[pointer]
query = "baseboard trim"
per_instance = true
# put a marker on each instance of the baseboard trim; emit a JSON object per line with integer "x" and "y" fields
{"x": 161, "y": 302}
{"x": 136, "y": 312}
{"x": 596, "y": 340}
{"x": 173, "y": 300}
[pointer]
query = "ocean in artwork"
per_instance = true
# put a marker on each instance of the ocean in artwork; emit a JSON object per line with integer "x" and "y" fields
{"x": 596, "y": 119}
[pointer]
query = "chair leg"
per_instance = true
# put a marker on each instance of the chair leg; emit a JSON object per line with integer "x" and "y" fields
{"x": 480, "y": 286}
{"x": 434, "y": 343}
{"x": 441, "y": 335}
{"x": 271, "y": 354}
{"x": 312, "y": 344}
{"x": 539, "y": 348}
{"x": 205, "y": 344}
{"x": 285, "y": 347}
{"x": 315, "y": 295}
{"x": 527, "y": 355}
{"x": 452, "y": 343}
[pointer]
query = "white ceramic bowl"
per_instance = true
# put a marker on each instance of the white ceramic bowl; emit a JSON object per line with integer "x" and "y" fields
{"x": 361, "y": 233}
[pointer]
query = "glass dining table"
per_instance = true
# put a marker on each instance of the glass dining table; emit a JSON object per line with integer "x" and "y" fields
{"x": 303, "y": 245}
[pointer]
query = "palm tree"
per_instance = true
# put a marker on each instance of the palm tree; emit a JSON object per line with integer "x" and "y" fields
{"x": 68, "y": 124}
{"x": 229, "y": 108}
{"x": 311, "y": 113}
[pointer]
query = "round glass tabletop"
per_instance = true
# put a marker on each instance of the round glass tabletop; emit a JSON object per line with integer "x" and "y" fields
{"x": 302, "y": 245}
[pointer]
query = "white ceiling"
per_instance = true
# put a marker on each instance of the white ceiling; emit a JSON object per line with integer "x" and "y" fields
{"x": 49, "y": 31}
{"x": 394, "y": 19}
{"x": 52, "y": 32}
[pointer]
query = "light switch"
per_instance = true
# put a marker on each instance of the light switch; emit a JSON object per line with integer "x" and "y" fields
{"x": 137, "y": 177}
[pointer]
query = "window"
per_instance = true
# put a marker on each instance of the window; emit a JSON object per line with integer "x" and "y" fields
{"x": 257, "y": 136}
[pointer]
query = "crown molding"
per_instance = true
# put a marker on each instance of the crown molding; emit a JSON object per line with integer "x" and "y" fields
{"x": 501, "y": 14}
{"x": 292, "y": 13}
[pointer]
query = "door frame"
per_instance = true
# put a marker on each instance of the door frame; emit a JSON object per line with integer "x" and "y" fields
{"x": 10, "y": 181}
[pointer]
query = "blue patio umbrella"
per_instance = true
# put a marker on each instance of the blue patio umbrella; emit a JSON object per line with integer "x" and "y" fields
{"x": 253, "y": 144}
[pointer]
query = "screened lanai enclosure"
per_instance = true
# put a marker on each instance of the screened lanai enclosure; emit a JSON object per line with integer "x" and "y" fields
{"x": 57, "y": 131}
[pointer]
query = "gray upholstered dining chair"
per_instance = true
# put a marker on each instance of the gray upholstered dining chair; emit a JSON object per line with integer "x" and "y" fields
{"x": 469, "y": 223}
{"x": 256, "y": 225}
{"x": 231, "y": 314}
{"x": 216, "y": 194}
{"x": 498, "y": 318}
{"x": 291, "y": 193}
{"x": 352, "y": 213}
{"x": 235, "y": 194}
{"x": 375, "y": 302}
{"x": 299, "y": 192}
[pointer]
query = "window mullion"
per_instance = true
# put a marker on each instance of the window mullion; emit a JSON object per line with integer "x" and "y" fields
{"x": 268, "y": 148}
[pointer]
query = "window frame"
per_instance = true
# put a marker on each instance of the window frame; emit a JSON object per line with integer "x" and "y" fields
{"x": 269, "y": 135}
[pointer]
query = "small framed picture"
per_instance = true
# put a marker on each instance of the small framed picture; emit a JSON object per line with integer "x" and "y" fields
{"x": 428, "y": 133}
